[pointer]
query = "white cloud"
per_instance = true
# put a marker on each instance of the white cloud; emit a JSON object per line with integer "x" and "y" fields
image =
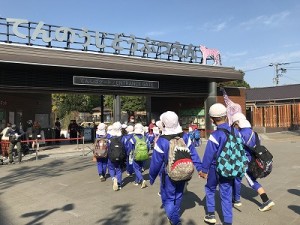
{"x": 219, "y": 27}
{"x": 265, "y": 60}
{"x": 272, "y": 20}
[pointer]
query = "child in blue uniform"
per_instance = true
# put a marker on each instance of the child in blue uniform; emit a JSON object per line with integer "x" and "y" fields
{"x": 171, "y": 192}
{"x": 249, "y": 139}
{"x": 114, "y": 168}
{"x": 216, "y": 141}
{"x": 137, "y": 165}
{"x": 128, "y": 136}
{"x": 101, "y": 162}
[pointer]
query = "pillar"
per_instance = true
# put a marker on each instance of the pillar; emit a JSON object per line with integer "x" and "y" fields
{"x": 211, "y": 99}
{"x": 117, "y": 108}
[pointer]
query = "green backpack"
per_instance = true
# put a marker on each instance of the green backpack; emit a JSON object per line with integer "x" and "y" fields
{"x": 140, "y": 152}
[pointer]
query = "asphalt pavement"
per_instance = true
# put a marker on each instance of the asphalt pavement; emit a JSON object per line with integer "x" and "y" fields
{"x": 60, "y": 185}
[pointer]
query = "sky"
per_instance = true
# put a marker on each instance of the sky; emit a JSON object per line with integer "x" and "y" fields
{"x": 251, "y": 35}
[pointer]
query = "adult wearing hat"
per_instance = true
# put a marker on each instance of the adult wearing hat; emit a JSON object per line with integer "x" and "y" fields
{"x": 171, "y": 192}
{"x": 215, "y": 143}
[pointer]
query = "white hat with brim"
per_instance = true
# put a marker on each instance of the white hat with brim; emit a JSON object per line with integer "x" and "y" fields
{"x": 238, "y": 116}
{"x": 129, "y": 129}
{"x": 117, "y": 126}
{"x": 138, "y": 129}
{"x": 170, "y": 121}
{"x": 244, "y": 124}
{"x": 177, "y": 130}
{"x": 101, "y": 132}
{"x": 155, "y": 130}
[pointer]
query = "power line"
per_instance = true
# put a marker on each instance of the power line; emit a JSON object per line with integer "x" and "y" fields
{"x": 291, "y": 78}
{"x": 256, "y": 69}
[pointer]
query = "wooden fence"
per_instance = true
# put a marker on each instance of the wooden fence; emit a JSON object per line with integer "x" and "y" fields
{"x": 276, "y": 116}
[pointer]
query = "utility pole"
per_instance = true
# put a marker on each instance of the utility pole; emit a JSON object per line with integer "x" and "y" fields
{"x": 278, "y": 71}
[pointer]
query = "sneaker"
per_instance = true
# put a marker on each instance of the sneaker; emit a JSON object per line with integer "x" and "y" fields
{"x": 210, "y": 219}
{"x": 115, "y": 184}
{"x": 237, "y": 203}
{"x": 144, "y": 184}
{"x": 102, "y": 178}
{"x": 266, "y": 206}
{"x": 135, "y": 183}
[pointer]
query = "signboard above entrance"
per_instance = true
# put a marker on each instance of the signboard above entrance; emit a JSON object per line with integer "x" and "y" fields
{"x": 22, "y": 31}
{"x": 97, "y": 81}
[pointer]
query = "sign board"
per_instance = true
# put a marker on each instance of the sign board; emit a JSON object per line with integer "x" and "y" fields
{"x": 110, "y": 82}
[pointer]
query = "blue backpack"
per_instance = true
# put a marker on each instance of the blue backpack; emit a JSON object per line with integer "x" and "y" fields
{"x": 196, "y": 134}
{"x": 232, "y": 161}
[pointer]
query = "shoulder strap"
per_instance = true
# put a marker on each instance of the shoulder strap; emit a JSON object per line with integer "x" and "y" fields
{"x": 250, "y": 138}
{"x": 257, "y": 142}
{"x": 171, "y": 136}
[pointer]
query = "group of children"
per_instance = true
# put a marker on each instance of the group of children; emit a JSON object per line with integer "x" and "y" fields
{"x": 172, "y": 192}
{"x": 129, "y": 136}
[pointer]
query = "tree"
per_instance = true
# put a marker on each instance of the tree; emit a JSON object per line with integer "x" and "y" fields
{"x": 129, "y": 104}
{"x": 236, "y": 83}
{"x": 63, "y": 104}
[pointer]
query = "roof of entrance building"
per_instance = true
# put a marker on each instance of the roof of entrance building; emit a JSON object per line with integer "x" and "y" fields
{"x": 284, "y": 92}
{"x": 12, "y": 53}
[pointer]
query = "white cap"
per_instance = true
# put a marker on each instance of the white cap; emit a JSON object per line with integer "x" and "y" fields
{"x": 117, "y": 126}
{"x": 238, "y": 116}
{"x": 101, "y": 129}
{"x": 129, "y": 129}
{"x": 217, "y": 110}
{"x": 170, "y": 121}
{"x": 243, "y": 123}
{"x": 146, "y": 129}
{"x": 110, "y": 129}
{"x": 138, "y": 128}
{"x": 155, "y": 130}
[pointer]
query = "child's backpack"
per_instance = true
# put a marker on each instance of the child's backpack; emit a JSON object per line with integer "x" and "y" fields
{"x": 196, "y": 134}
{"x": 232, "y": 161}
{"x": 140, "y": 152}
{"x": 100, "y": 148}
{"x": 179, "y": 166}
{"x": 261, "y": 163}
{"x": 116, "y": 151}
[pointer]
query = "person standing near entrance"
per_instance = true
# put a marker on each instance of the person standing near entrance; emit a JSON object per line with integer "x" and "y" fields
{"x": 5, "y": 141}
{"x": 14, "y": 135}
{"x": 73, "y": 130}
{"x": 36, "y": 134}
{"x": 57, "y": 129}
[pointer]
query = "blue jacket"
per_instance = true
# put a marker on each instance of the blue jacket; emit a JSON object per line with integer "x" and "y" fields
{"x": 215, "y": 143}
{"x": 160, "y": 156}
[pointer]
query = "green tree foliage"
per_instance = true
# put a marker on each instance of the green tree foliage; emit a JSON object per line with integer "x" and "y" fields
{"x": 63, "y": 104}
{"x": 236, "y": 83}
{"x": 129, "y": 104}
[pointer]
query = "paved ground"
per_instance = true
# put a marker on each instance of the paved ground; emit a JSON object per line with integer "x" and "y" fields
{"x": 62, "y": 187}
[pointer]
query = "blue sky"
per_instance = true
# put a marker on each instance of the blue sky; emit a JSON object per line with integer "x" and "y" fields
{"x": 249, "y": 34}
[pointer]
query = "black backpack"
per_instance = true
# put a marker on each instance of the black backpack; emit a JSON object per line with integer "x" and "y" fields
{"x": 261, "y": 163}
{"x": 116, "y": 151}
